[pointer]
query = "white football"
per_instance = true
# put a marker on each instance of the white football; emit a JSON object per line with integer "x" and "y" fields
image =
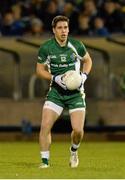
{"x": 72, "y": 79}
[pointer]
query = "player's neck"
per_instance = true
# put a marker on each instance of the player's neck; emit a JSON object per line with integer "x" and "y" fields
{"x": 61, "y": 43}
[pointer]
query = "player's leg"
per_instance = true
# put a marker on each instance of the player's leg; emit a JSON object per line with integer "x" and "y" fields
{"x": 77, "y": 106}
{"x": 77, "y": 122}
{"x": 50, "y": 113}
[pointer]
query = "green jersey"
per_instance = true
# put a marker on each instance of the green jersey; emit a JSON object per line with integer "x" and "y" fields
{"x": 61, "y": 59}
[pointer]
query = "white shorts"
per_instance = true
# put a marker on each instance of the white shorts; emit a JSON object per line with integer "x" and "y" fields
{"x": 58, "y": 109}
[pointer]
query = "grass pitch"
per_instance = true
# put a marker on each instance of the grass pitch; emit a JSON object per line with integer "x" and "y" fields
{"x": 103, "y": 160}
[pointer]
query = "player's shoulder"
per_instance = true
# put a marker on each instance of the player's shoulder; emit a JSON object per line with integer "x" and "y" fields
{"x": 47, "y": 43}
{"x": 75, "y": 41}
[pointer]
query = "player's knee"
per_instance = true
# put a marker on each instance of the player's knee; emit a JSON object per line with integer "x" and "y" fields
{"x": 43, "y": 132}
{"x": 45, "y": 128}
{"x": 78, "y": 132}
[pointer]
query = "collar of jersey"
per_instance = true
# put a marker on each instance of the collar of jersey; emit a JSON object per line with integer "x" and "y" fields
{"x": 59, "y": 44}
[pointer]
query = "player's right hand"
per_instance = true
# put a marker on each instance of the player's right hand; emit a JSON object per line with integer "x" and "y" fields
{"x": 59, "y": 80}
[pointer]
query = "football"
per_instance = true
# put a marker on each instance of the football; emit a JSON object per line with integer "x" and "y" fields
{"x": 72, "y": 80}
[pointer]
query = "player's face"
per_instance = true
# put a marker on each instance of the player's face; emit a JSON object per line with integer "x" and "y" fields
{"x": 61, "y": 31}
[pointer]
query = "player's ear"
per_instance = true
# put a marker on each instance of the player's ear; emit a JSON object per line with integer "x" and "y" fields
{"x": 53, "y": 30}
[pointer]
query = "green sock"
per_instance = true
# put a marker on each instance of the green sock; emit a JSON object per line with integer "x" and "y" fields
{"x": 45, "y": 161}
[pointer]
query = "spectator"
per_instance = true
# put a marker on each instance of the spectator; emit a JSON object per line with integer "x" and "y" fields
{"x": 17, "y": 14}
{"x": 99, "y": 28}
{"x": 10, "y": 27}
{"x": 90, "y": 10}
{"x": 50, "y": 12}
{"x": 16, "y": 10}
{"x": 83, "y": 25}
{"x": 36, "y": 27}
{"x": 36, "y": 8}
{"x": 72, "y": 13}
{"x": 113, "y": 17}
{"x": 60, "y": 5}
{"x": 21, "y": 11}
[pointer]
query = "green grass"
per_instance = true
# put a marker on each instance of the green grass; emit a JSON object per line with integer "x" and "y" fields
{"x": 103, "y": 160}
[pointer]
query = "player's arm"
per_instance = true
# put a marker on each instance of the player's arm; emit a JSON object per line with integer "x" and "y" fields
{"x": 42, "y": 72}
{"x": 87, "y": 64}
{"x": 86, "y": 67}
{"x": 41, "y": 66}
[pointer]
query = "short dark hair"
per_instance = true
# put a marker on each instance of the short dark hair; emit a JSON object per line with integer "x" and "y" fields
{"x": 59, "y": 18}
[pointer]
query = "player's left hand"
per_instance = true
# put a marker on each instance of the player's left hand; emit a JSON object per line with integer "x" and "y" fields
{"x": 84, "y": 77}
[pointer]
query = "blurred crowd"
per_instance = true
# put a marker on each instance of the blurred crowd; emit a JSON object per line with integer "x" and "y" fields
{"x": 87, "y": 17}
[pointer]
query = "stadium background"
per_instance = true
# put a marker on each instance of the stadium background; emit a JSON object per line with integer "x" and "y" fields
{"x": 22, "y": 93}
